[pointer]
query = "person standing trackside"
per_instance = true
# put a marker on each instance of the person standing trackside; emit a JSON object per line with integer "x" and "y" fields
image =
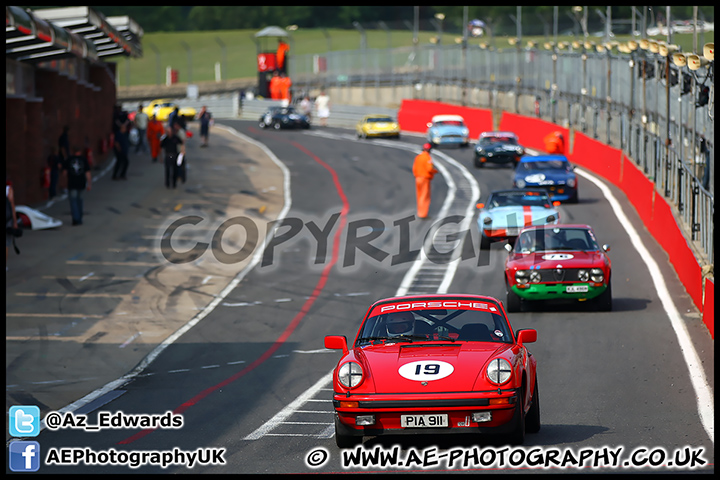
{"x": 122, "y": 147}
{"x": 155, "y": 131}
{"x": 173, "y": 146}
{"x": 79, "y": 178}
{"x": 206, "y": 121}
{"x": 322, "y": 103}
{"x": 282, "y": 55}
{"x": 141, "y": 123}
{"x": 423, "y": 171}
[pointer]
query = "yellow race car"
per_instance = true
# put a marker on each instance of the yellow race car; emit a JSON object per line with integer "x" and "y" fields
{"x": 162, "y": 109}
{"x": 377, "y": 126}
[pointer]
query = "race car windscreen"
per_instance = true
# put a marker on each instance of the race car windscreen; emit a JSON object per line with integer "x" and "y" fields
{"x": 469, "y": 321}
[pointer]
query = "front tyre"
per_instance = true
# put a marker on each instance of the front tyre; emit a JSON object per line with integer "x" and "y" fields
{"x": 532, "y": 420}
{"x": 513, "y": 302}
{"x": 517, "y": 437}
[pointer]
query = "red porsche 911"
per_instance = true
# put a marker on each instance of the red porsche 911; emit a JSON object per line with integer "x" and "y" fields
{"x": 435, "y": 364}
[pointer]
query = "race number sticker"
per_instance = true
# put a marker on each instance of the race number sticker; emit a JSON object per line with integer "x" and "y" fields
{"x": 558, "y": 256}
{"x": 426, "y": 370}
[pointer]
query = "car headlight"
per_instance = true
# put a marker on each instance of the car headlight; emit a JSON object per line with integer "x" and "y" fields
{"x": 436, "y": 139}
{"x": 550, "y": 219}
{"x": 596, "y": 275}
{"x": 487, "y": 220}
{"x": 535, "y": 276}
{"x": 571, "y": 182}
{"x": 520, "y": 183}
{"x": 520, "y": 151}
{"x": 583, "y": 275}
{"x": 521, "y": 277}
{"x": 465, "y": 132}
{"x": 499, "y": 371}
{"x": 350, "y": 374}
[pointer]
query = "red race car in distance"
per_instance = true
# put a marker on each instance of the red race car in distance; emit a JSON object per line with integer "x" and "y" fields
{"x": 435, "y": 364}
{"x": 558, "y": 262}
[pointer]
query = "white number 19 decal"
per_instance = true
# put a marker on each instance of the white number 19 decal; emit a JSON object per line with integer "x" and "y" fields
{"x": 425, "y": 370}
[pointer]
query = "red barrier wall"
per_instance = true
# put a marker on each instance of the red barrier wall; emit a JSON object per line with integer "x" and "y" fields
{"x": 709, "y": 306}
{"x": 664, "y": 228}
{"x": 414, "y": 116}
{"x": 596, "y": 156}
{"x": 638, "y": 188}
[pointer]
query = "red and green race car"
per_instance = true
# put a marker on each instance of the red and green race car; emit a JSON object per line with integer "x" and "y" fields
{"x": 558, "y": 262}
{"x": 435, "y": 364}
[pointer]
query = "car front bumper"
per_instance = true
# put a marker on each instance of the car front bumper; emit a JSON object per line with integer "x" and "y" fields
{"x": 386, "y": 414}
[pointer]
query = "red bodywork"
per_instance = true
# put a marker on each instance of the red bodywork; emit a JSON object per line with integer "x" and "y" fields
{"x": 461, "y": 388}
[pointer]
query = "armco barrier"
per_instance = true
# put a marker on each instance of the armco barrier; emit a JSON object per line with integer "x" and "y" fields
{"x": 611, "y": 164}
{"x": 414, "y": 116}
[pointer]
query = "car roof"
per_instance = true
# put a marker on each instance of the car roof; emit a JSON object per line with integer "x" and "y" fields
{"x": 543, "y": 158}
{"x": 498, "y": 134}
{"x": 378, "y": 115}
{"x": 442, "y": 118}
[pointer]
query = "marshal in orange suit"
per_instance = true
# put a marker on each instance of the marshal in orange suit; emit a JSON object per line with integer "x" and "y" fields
{"x": 424, "y": 171}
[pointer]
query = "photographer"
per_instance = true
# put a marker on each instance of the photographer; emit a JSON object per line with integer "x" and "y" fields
{"x": 11, "y": 226}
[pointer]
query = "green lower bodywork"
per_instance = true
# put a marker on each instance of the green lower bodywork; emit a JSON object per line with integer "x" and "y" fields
{"x": 540, "y": 291}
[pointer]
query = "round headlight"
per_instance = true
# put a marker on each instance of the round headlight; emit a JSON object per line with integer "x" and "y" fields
{"x": 487, "y": 220}
{"x": 550, "y": 219}
{"x": 520, "y": 183}
{"x": 521, "y": 276}
{"x": 436, "y": 139}
{"x": 596, "y": 275}
{"x": 534, "y": 276}
{"x": 350, "y": 374}
{"x": 499, "y": 371}
{"x": 571, "y": 182}
{"x": 583, "y": 275}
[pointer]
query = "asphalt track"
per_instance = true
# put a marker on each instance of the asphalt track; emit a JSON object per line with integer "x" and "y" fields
{"x": 250, "y": 376}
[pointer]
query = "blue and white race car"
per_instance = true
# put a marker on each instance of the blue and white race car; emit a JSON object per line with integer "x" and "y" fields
{"x": 553, "y": 173}
{"x": 448, "y": 130}
{"x": 506, "y": 212}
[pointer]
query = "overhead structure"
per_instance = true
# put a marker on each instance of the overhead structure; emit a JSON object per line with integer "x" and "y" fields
{"x": 50, "y": 33}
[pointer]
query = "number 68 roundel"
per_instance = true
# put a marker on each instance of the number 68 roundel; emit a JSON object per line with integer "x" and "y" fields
{"x": 426, "y": 370}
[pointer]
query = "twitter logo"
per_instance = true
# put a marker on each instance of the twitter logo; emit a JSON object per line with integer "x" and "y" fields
{"x": 24, "y": 421}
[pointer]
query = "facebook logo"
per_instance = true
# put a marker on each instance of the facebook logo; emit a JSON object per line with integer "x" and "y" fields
{"x": 24, "y": 421}
{"x": 24, "y": 456}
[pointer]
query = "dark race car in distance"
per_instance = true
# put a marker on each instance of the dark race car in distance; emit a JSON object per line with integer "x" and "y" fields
{"x": 499, "y": 148}
{"x": 553, "y": 173}
{"x": 435, "y": 364}
{"x": 283, "y": 117}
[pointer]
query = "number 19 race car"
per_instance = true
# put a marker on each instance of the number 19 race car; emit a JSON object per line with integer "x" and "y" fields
{"x": 435, "y": 364}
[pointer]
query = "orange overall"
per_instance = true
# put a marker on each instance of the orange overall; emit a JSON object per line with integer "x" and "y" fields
{"x": 554, "y": 143}
{"x": 155, "y": 130}
{"x": 424, "y": 171}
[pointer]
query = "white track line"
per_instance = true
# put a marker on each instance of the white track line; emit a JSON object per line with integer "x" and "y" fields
{"x": 705, "y": 399}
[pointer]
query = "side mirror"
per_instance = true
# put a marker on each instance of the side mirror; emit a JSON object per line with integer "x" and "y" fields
{"x": 336, "y": 342}
{"x": 606, "y": 247}
{"x": 508, "y": 247}
{"x": 528, "y": 335}
{"x": 429, "y": 124}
